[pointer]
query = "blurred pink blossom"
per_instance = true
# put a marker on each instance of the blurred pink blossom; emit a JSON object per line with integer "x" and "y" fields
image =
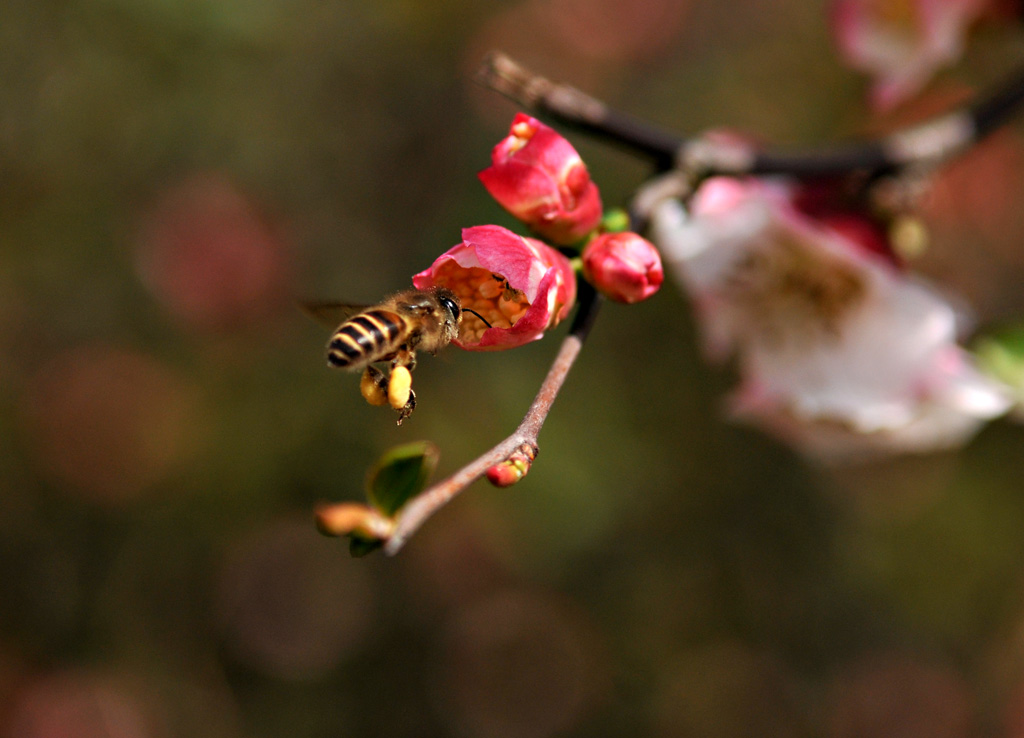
{"x": 521, "y": 286}
{"x": 612, "y": 30}
{"x": 210, "y": 257}
{"x": 591, "y": 42}
{"x": 108, "y": 423}
{"x": 981, "y": 189}
{"x": 287, "y": 607}
{"x": 901, "y": 43}
{"x": 900, "y": 694}
{"x": 829, "y": 334}
{"x": 81, "y": 704}
{"x": 560, "y": 677}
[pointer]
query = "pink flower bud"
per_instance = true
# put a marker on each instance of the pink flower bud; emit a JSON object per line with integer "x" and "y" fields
{"x": 514, "y": 468}
{"x": 538, "y": 177}
{"x": 519, "y": 285}
{"x": 623, "y": 266}
{"x": 504, "y": 474}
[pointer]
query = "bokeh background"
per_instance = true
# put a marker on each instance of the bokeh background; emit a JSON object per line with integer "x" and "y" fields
{"x": 175, "y": 175}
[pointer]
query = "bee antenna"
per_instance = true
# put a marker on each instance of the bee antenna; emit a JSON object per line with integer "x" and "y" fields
{"x": 467, "y": 310}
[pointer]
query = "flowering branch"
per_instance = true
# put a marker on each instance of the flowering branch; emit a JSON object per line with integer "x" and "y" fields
{"x": 504, "y": 290}
{"x": 421, "y": 508}
{"x": 839, "y": 347}
{"x": 522, "y": 441}
{"x": 926, "y": 143}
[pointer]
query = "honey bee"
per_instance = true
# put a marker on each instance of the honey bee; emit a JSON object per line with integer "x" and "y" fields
{"x": 392, "y": 331}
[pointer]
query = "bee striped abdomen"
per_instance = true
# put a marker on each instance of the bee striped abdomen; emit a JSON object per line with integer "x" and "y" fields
{"x": 365, "y": 338}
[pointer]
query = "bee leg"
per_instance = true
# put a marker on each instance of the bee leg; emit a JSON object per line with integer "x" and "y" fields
{"x": 374, "y": 386}
{"x": 404, "y": 357}
{"x": 406, "y": 411}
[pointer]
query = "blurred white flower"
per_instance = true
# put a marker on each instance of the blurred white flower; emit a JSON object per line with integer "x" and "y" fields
{"x": 901, "y": 43}
{"x": 838, "y": 349}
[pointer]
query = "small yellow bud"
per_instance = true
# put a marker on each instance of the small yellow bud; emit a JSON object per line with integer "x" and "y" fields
{"x": 909, "y": 237}
{"x": 372, "y": 386}
{"x": 350, "y": 518}
{"x": 399, "y": 387}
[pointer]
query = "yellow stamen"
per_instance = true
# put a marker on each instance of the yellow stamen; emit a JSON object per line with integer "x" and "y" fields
{"x": 487, "y": 293}
{"x": 489, "y": 289}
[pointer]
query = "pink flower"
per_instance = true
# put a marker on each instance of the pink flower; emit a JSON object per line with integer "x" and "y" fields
{"x": 521, "y": 286}
{"x": 827, "y": 332}
{"x": 538, "y": 177}
{"x": 623, "y": 266}
{"x": 901, "y": 43}
{"x": 955, "y": 400}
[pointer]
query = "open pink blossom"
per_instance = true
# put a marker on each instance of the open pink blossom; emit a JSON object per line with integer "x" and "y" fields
{"x": 623, "y": 266}
{"x": 538, "y": 177}
{"x": 901, "y": 43}
{"x": 519, "y": 285}
{"x": 827, "y": 333}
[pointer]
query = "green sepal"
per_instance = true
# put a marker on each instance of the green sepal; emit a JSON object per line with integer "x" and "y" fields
{"x": 399, "y": 475}
{"x": 615, "y": 220}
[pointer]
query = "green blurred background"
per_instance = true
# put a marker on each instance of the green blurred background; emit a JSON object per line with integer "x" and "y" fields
{"x": 176, "y": 174}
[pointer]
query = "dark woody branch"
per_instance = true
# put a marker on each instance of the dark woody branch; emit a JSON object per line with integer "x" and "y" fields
{"x": 923, "y": 144}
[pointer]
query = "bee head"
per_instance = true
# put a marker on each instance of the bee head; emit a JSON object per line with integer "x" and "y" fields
{"x": 450, "y": 314}
{"x": 451, "y": 305}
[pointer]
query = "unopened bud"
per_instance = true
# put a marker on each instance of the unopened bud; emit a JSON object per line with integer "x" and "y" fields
{"x": 539, "y": 177}
{"x": 909, "y": 236}
{"x": 353, "y": 519}
{"x": 514, "y": 468}
{"x": 623, "y": 266}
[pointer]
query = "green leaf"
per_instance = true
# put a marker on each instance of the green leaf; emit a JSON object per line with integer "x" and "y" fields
{"x": 400, "y": 474}
{"x": 1001, "y": 354}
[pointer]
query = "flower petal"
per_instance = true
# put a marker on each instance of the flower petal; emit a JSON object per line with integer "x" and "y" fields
{"x": 521, "y": 286}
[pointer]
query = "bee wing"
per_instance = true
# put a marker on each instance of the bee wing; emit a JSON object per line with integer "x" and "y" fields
{"x": 331, "y": 314}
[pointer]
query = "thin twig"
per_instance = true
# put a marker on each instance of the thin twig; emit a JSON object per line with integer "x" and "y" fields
{"x": 927, "y": 143}
{"x": 432, "y": 499}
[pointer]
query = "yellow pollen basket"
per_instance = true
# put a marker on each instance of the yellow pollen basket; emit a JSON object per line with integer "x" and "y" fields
{"x": 399, "y": 387}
